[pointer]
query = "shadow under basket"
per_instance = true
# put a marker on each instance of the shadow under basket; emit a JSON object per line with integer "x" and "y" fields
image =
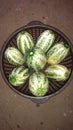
{"x": 35, "y": 28}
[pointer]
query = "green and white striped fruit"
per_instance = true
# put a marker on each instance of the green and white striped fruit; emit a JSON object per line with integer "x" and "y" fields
{"x": 36, "y": 59}
{"x": 38, "y": 84}
{"x": 45, "y": 40}
{"x": 14, "y": 56}
{"x": 57, "y": 53}
{"x": 24, "y": 41}
{"x": 57, "y": 72}
{"x": 19, "y": 76}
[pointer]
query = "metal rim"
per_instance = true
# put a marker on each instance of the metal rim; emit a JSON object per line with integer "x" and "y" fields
{"x": 27, "y": 27}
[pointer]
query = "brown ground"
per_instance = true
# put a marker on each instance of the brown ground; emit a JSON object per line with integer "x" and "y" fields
{"x": 16, "y": 112}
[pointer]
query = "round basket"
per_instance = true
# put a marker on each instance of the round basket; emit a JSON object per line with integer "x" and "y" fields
{"x": 35, "y": 28}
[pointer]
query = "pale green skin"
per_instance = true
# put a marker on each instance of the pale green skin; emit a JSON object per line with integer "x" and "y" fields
{"x": 38, "y": 84}
{"x": 57, "y": 53}
{"x": 57, "y": 72}
{"x": 18, "y": 76}
{"x": 36, "y": 59}
{"x": 24, "y": 42}
{"x": 45, "y": 40}
{"x": 14, "y": 56}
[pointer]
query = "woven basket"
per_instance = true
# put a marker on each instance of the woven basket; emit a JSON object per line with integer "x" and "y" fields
{"x": 35, "y": 28}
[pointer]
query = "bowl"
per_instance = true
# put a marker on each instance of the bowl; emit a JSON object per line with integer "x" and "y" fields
{"x": 35, "y": 28}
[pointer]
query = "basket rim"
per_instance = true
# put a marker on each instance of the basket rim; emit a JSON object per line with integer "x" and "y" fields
{"x": 27, "y": 27}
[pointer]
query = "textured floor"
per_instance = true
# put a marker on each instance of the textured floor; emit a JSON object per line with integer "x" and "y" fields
{"x": 16, "y": 112}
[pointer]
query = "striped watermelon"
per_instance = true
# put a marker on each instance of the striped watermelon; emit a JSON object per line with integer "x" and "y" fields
{"x": 14, "y": 56}
{"x": 24, "y": 41}
{"x": 18, "y": 76}
{"x": 57, "y": 72}
{"x": 45, "y": 40}
{"x": 36, "y": 59}
{"x": 57, "y": 53}
{"x": 38, "y": 84}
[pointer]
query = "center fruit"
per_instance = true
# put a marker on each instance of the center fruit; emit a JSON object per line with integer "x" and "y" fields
{"x": 36, "y": 59}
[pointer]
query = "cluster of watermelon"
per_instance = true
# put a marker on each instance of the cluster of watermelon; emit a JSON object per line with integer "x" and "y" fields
{"x": 36, "y": 56}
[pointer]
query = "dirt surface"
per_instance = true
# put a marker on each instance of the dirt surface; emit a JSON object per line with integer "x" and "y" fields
{"x": 16, "y": 112}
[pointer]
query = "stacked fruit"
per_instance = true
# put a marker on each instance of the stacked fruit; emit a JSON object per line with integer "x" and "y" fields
{"x": 36, "y": 56}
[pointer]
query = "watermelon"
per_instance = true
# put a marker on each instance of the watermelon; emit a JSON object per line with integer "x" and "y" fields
{"x": 57, "y": 53}
{"x": 57, "y": 72}
{"x": 24, "y": 41}
{"x": 38, "y": 84}
{"x": 36, "y": 59}
{"x": 45, "y": 40}
{"x": 14, "y": 56}
{"x": 18, "y": 76}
